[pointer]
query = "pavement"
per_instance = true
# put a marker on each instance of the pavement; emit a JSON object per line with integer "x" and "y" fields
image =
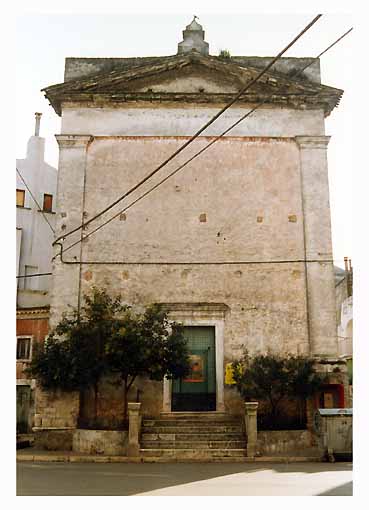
{"x": 184, "y": 479}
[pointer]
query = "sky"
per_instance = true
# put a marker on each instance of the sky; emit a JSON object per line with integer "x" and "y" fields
{"x": 43, "y": 41}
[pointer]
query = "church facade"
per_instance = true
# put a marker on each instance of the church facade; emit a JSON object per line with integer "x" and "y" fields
{"x": 236, "y": 245}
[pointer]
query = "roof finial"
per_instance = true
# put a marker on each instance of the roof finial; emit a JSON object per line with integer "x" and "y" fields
{"x": 193, "y": 39}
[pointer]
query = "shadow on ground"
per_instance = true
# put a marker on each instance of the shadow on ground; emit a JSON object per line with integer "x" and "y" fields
{"x": 69, "y": 479}
{"x": 341, "y": 490}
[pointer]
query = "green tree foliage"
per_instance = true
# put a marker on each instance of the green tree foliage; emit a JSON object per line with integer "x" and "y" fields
{"x": 224, "y": 54}
{"x": 272, "y": 378}
{"x": 148, "y": 345}
{"x": 107, "y": 337}
{"x": 73, "y": 357}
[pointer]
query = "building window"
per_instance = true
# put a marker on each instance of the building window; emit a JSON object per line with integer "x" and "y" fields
{"x": 31, "y": 283}
{"x": 48, "y": 203}
{"x": 20, "y": 197}
{"x": 24, "y": 348}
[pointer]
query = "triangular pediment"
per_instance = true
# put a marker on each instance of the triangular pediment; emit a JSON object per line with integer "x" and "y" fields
{"x": 190, "y": 77}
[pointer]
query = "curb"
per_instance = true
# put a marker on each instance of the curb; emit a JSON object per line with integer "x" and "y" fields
{"x": 105, "y": 459}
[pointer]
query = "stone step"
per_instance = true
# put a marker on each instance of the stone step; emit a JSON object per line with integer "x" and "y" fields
{"x": 192, "y": 453}
{"x": 192, "y": 429}
{"x": 232, "y": 436}
{"x": 189, "y": 422}
{"x": 214, "y": 415}
{"x": 194, "y": 444}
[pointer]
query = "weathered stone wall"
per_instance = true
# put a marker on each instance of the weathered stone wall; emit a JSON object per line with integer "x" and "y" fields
{"x": 223, "y": 230}
{"x": 110, "y": 403}
{"x": 141, "y": 120}
{"x": 56, "y": 409}
{"x": 105, "y": 442}
{"x": 48, "y": 439}
{"x": 283, "y": 441}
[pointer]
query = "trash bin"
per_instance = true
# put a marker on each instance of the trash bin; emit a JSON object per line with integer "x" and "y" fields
{"x": 334, "y": 430}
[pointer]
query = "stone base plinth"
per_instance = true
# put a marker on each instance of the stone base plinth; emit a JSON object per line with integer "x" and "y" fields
{"x": 272, "y": 442}
{"x": 53, "y": 438}
{"x": 104, "y": 442}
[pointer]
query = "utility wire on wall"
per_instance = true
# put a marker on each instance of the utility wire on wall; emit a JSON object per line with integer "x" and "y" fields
{"x": 231, "y": 263}
{"x": 35, "y": 274}
{"x": 186, "y": 144}
{"x": 200, "y": 152}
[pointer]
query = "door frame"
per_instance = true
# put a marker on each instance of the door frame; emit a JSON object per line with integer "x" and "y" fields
{"x": 219, "y": 363}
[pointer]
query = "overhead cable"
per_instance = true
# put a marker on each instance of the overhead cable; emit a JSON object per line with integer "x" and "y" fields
{"x": 188, "y": 142}
{"x": 200, "y": 151}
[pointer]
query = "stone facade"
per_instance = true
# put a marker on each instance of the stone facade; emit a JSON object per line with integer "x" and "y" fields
{"x": 239, "y": 239}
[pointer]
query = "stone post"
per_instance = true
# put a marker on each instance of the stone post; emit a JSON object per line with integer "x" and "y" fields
{"x": 134, "y": 429}
{"x": 251, "y": 427}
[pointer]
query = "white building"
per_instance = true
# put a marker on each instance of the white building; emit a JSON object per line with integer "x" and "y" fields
{"x": 36, "y": 182}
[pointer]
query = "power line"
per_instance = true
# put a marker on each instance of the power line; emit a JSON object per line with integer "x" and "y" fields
{"x": 203, "y": 128}
{"x": 35, "y": 274}
{"x": 35, "y": 201}
{"x": 200, "y": 152}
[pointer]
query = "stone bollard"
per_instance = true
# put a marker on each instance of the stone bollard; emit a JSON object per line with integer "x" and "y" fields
{"x": 134, "y": 417}
{"x": 251, "y": 427}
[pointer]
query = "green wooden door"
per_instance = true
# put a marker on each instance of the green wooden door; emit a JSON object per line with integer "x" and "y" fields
{"x": 197, "y": 391}
{"x": 23, "y": 405}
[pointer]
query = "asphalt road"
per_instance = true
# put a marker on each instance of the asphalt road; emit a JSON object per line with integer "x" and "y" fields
{"x": 298, "y": 479}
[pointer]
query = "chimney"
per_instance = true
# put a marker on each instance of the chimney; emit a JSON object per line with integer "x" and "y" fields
{"x": 346, "y": 264}
{"x": 37, "y": 123}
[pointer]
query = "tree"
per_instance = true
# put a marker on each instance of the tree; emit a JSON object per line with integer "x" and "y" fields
{"x": 273, "y": 377}
{"x": 304, "y": 381}
{"x": 108, "y": 337}
{"x": 73, "y": 357}
{"x": 148, "y": 345}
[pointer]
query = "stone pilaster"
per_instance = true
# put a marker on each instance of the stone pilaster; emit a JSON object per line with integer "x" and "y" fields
{"x": 135, "y": 418}
{"x": 251, "y": 427}
{"x": 70, "y": 202}
{"x": 318, "y": 245}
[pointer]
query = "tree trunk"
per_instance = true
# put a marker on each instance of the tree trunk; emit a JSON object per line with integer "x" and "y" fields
{"x": 302, "y": 404}
{"x": 96, "y": 393}
{"x": 125, "y": 407}
{"x": 81, "y": 408}
{"x": 126, "y": 388}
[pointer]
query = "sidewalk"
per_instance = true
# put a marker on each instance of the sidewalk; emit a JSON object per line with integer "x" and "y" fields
{"x": 33, "y": 455}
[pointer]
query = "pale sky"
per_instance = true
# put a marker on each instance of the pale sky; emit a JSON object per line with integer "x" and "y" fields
{"x": 45, "y": 40}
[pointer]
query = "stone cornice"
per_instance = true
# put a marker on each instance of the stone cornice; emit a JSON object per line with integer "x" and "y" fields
{"x": 73, "y": 141}
{"x": 33, "y": 313}
{"x": 312, "y": 142}
{"x": 120, "y": 85}
{"x": 181, "y": 311}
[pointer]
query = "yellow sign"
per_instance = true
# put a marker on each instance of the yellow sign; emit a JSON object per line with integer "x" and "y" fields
{"x": 229, "y": 373}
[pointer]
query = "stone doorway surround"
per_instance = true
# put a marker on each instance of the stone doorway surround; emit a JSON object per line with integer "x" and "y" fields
{"x": 200, "y": 314}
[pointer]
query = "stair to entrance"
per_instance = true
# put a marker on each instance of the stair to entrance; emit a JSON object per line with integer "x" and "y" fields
{"x": 209, "y": 436}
